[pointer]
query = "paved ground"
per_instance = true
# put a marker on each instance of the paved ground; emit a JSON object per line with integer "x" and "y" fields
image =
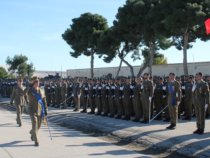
{"x": 15, "y": 141}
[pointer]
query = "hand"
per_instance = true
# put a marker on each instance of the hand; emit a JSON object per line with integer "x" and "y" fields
{"x": 178, "y": 102}
{"x": 123, "y": 96}
{"x": 27, "y": 102}
{"x": 150, "y": 99}
{"x": 132, "y": 96}
{"x": 45, "y": 113}
{"x": 65, "y": 95}
{"x": 72, "y": 95}
{"x": 164, "y": 88}
{"x": 183, "y": 87}
{"x": 142, "y": 86}
{"x": 164, "y": 96}
{"x": 206, "y": 106}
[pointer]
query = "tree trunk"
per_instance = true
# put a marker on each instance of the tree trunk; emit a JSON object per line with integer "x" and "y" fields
{"x": 185, "y": 52}
{"x": 119, "y": 68}
{"x": 143, "y": 68}
{"x": 152, "y": 50}
{"x": 92, "y": 63}
{"x": 130, "y": 66}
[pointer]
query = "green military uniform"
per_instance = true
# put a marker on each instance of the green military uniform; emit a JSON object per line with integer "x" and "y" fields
{"x": 119, "y": 100}
{"x": 127, "y": 100}
{"x": 35, "y": 109}
{"x": 84, "y": 89}
{"x": 105, "y": 101}
{"x": 147, "y": 92}
{"x": 99, "y": 99}
{"x": 18, "y": 96}
{"x": 58, "y": 95}
{"x": 64, "y": 94}
{"x": 158, "y": 99}
{"x": 173, "y": 109}
{"x": 76, "y": 95}
{"x": 48, "y": 93}
{"x": 137, "y": 102}
{"x": 91, "y": 96}
{"x": 53, "y": 95}
{"x": 188, "y": 100}
{"x": 201, "y": 94}
{"x": 112, "y": 104}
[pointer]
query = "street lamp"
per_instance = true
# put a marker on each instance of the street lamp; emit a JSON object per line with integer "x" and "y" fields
{"x": 177, "y": 69}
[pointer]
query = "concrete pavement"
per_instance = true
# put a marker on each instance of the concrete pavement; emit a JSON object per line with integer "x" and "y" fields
{"x": 15, "y": 141}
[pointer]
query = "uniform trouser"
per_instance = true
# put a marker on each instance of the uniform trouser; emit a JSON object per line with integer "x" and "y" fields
{"x": 92, "y": 104}
{"x": 167, "y": 109}
{"x": 48, "y": 98}
{"x": 112, "y": 105}
{"x": 77, "y": 103}
{"x": 127, "y": 105}
{"x": 208, "y": 110}
{"x": 19, "y": 110}
{"x": 105, "y": 104}
{"x": 137, "y": 107}
{"x": 36, "y": 124}
{"x": 146, "y": 105}
{"x": 63, "y": 97}
{"x": 53, "y": 99}
{"x": 159, "y": 106}
{"x": 58, "y": 99}
{"x": 99, "y": 104}
{"x": 173, "y": 112}
{"x": 120, "y": 106}
{"x": 188, "y": 108}
{"x": 84, "y": 102}
{"x": 200, "y": 112}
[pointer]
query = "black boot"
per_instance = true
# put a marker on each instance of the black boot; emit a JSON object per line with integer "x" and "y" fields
{"x": 92, "y": 112}
{"x": 124, "y": 118}
{"x": 201, "y": 131}
{"x": 207, "y": 116}
{"x": 105, "y": 114}
{"x": 146, "y": 121}
{"x": 111, "y": 115}
{"x": 196, "y": 131}
{"x": 98, "y": 113}
{"x": 128, "y": 118}
{"x": 167, "y": 120}
{"x": 84, "y": 111}
{"x": 169, "y": 127}
{"x": 143, "y": 121}
{"x": 76, "y": 109}
{"x": 118, "y": 117}
{"x": 136, "y": 120}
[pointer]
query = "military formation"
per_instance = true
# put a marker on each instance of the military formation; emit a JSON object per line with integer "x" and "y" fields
{"x": 145, "y": 98}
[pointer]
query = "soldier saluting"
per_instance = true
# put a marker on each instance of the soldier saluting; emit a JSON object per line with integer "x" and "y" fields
{"x": 37, "y": 107}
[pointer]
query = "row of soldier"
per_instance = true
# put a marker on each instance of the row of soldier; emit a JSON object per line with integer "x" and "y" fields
{"x": 139, "y": 97}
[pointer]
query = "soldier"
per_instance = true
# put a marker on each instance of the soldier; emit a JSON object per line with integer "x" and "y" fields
{"x": 118, "y": 99}
{"x": 58, "y": 94}
{"x": 188, "y": 98}
{"x": 208, "y": 109}
{"x": 201, "y": 93}
{"x": 17, "y": 95}
{"x": 146, "y": 97}
{"x": 76, "y": 93}
{"x": 174, "y": 98}
{"x": 69, "y": 91}
{"x": 91, "y": 96}
{"x": 166, "y": 100}
{"x": 37, "y": 107}
{"x": 158, "y": 98}
{"x": 98, "y": 97}
{"x": 53, "y": 95}
{"x": 127, "y": 99}
{"x": 48, "y": 92}
{"x": 112, "y": 104}
{"x": 105, "y": 101}
{"x": 136, "y": 100}
{"x": 63, "y": 93}
{"x": 84, "y": 93}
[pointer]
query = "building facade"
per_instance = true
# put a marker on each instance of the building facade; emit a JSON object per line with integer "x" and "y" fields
{"x": 157, "y": 70}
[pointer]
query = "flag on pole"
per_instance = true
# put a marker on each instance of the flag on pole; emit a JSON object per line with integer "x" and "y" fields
{"x": 207, "y": 23}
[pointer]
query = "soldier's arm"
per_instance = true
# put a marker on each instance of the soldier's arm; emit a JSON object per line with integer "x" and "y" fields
{"x": 13, "y": 95}
{"x": 151, "y": 89}
{"x": 26, "y": 90}
{"x": 206, "y": 91}
{"x": 178, "y": 86}
{"x": 44, "y": 101}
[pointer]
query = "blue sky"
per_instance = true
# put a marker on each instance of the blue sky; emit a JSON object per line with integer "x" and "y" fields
{"x": 33, "y": 28}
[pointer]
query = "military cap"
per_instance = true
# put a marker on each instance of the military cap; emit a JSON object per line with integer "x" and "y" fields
{"x": 190, "y": 77}
{"x": 160, "y": 78}
{"x": 167, "y": 76}
{"x": 20, "y": 78}
{"x": 128, "y": 78}
{"x": 199, "y": 73}
{"x": 35, "y": 78}
{"x": 146, "y": 73}
{"x": 186, "y": 76}
{"x": 110, "y": 78}
{"x": 171, "y": 73}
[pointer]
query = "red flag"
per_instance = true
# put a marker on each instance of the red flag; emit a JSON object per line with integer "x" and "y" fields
{"x": 207, "y": 23}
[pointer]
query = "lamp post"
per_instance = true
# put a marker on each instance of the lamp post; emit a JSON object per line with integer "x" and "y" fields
{"x": 177, "y": 69}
